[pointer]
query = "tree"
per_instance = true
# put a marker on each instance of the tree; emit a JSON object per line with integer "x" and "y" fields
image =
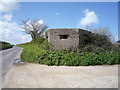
{"x": 35, "y": 28}
{"x": 104, "y": 32}
{"x": 102, "y": 38}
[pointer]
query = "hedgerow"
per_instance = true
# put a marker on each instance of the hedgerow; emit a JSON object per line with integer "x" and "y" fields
{"x": 38, "y": 52}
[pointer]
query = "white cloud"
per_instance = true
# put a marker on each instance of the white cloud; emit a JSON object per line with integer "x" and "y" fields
{"x": 7, "y": 17}
{"x": 40, "y": 21}
{"x": 8, "y": 5}
{"x": 11, "y": 32}
{"x": 89, "y": 18}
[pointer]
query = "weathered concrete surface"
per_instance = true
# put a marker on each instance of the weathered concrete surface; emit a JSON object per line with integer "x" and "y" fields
{"x": 68, "y": 38}
{"x": 42, "y": 76}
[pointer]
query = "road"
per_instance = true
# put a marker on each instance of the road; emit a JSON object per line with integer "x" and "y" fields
{"x": 8, "y": 57}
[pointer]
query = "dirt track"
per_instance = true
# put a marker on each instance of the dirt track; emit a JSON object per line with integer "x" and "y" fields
{"x": 42, "y": 76}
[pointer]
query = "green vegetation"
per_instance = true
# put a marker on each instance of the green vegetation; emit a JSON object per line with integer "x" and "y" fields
{"x": 38, "y": 52}
{"x": 31, "y": 53}
{"x": 35, "y": 53}
{"x": 5, "y": 45}
{"x": 99, "y": 50}
{"x": 67, "y": 58}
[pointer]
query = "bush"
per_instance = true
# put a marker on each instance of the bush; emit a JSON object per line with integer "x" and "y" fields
{"x": 93, "y": 49}
{"x": 5, "y": 45}
{"x": 39, "y": 40}
{"x": 31, "y": 53}
{"x": 100, "y": 41}
{"x": 59, "y": 57}
{"x": 66, "y": 58}
{"x": 38, "y": 52}
{"x": 45, "y": 45}
{"x": 46, "y": 34}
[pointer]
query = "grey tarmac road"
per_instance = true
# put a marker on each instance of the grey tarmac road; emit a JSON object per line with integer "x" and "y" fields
{"x": 8, "y": 57}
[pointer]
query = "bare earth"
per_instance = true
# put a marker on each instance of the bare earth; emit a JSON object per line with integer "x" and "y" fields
{"x": 42, "y": 76}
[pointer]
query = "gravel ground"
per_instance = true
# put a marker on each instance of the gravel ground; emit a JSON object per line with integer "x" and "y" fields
{"x": 41, "y": 76}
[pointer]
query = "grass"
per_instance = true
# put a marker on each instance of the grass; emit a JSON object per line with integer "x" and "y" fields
{"x": 31, "y": 53}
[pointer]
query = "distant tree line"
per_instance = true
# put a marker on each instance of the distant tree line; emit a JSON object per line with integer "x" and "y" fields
{"x": 5, "y": 45}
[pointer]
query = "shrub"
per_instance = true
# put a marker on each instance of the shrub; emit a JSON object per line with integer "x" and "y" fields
{"x": 100, "y": 41}
{"x": 45, "y": 45}
{"x": 38, "y": 52}
{"x": 31, "y": 53}
{"x": 39, "y": 40}
{"x": 35, "y": 53}
{"x": 5, "y": 45}
{"x": 62, "y": 57}
{"x": 93, "y": 49}
{"x": 46, "y": 34}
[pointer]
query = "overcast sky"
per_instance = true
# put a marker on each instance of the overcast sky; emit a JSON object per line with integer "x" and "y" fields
{"x": 87, "y": 15}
